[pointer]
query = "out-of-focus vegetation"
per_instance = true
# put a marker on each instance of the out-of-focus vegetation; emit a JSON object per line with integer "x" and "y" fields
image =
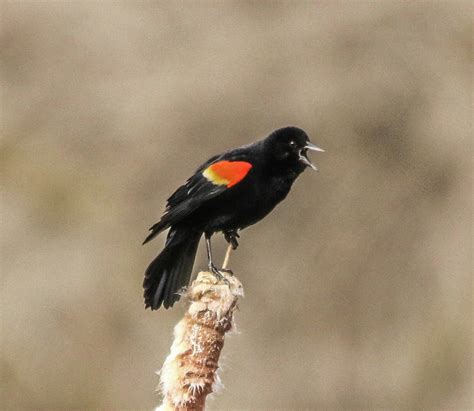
{"x": 358, "y": 287}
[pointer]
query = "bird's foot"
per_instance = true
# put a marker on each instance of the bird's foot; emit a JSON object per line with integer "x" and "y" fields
{"x": 218, "y": 273}
{"x": 231, "y": 237}
{"x": 227, "y": 270}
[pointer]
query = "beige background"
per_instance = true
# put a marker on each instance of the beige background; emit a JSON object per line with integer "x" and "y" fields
{"x": 358, "y": 287}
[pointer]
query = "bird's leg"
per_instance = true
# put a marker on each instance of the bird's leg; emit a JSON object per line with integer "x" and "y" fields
{"x": 231, "y": 237}
{"x": 212, "y": 268}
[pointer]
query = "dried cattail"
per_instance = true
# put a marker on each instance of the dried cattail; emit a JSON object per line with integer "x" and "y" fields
{"x": 189, "y": 373}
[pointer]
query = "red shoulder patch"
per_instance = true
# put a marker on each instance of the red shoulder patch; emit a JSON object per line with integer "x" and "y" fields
{"x": 227, "y": 173}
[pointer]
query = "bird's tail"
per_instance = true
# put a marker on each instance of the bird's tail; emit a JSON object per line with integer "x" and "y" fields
{"x": 171, "y": 269}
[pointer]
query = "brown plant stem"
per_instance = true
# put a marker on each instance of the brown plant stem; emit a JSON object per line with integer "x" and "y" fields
{"x": 227, "y": 257}
{"x": 189, "y": 372}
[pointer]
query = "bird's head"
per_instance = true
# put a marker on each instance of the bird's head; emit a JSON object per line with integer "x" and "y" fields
{"x": 288, "y": 147}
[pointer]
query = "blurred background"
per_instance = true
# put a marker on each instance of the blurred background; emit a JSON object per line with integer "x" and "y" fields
{"x": 358, "y": 287}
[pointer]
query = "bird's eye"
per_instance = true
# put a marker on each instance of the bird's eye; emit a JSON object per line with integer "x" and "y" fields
{"x": 292, "y": 143}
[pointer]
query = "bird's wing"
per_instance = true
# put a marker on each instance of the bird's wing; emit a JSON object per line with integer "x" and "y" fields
{"x": 213, "y": 178}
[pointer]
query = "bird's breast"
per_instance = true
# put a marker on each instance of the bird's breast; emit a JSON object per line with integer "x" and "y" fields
{"x": 260, "y": 200}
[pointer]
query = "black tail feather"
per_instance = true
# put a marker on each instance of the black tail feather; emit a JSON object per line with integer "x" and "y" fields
{"x": 171, "y": 269}
{"x": 155, "y": 230}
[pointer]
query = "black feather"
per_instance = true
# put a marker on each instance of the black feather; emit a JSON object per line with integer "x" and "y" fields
{"x": 171, "y": 269}
{"x": 181, "y": 204}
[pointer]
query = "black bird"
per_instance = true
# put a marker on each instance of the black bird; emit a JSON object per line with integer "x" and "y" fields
{"x": 229, "y": 192}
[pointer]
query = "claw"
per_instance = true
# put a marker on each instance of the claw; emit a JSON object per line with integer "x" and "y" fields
{"x": 212, "y": 268}
{"x": 218, "y": 273}
{"x": 231, "y": 238}
{"x": 227, "y": 270}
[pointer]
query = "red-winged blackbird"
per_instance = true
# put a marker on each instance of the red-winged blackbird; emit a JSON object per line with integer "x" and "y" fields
{"x": 227, "y": 193}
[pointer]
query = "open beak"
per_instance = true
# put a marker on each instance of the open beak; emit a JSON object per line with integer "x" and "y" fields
{"x": 312, "y": 147}
{"x": 304, "y": 155}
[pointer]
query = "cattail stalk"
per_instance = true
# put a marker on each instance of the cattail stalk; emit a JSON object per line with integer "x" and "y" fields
{"x": 189, "y": 372}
